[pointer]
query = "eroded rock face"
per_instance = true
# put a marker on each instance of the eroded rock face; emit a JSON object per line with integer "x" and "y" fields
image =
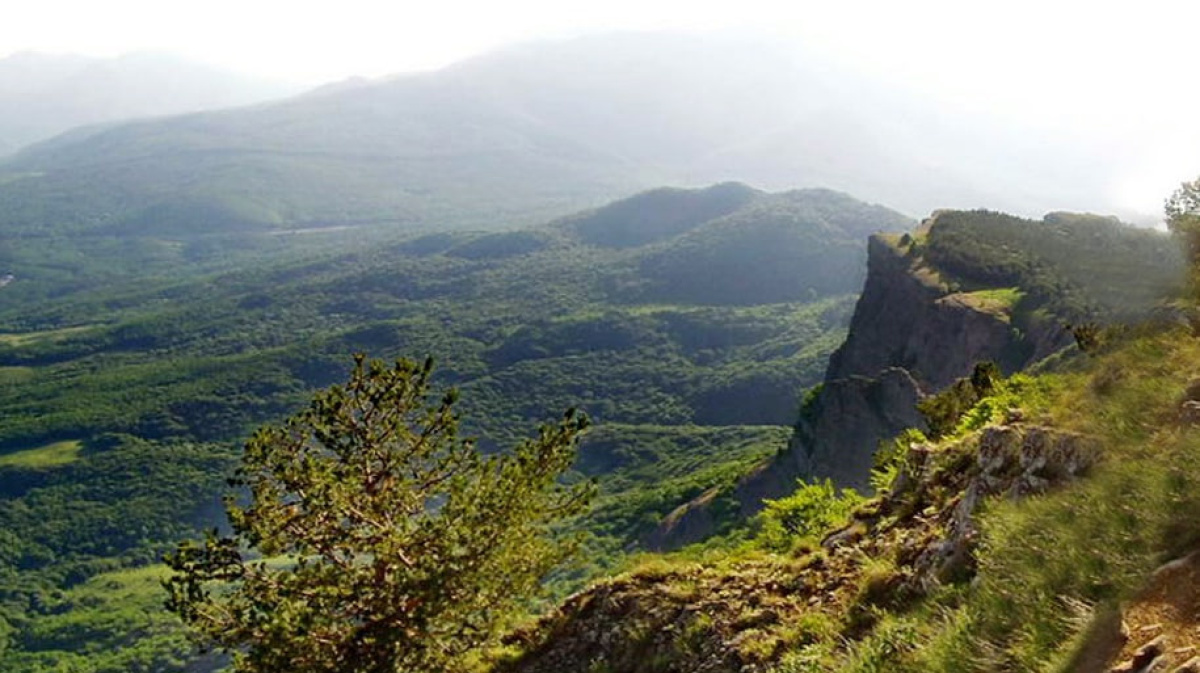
{"x": 911, "y": 335}
{"x": 691, "y": 522}
{"x": 838, "y": 437}
{"x": 908, "y": 317}
{"x": 1012, "y": 461}
{"x": 740, "y": 618}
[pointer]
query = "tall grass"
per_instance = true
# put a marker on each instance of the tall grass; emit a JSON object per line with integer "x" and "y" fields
{"x": 1095, "y": 542}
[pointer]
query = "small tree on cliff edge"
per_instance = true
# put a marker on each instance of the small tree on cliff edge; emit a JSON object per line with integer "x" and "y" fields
{"x": 1183, "y": 219}
{"x": 387, "y": 542}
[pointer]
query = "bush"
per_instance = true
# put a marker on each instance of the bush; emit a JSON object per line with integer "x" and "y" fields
{"x": 809, "y": 512}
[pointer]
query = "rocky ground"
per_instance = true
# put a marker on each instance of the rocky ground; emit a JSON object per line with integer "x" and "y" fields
{"x": 743, "y": 614}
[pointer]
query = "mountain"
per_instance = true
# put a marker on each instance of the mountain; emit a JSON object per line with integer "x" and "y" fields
{"x": 124, "y": 407}
{"x": 965, "y": 287}
{"x": 970, "y": 287}
{"x": 526, "y": 133}
{"x": 43, "y": 95}
{"x": 1018, "y": 532}
{"x": 1045, "y": 520}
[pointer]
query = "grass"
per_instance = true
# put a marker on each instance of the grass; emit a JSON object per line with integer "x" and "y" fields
{"x": 1094, "y": 543}
{"x": 16, "y": 374}
{"x": 1002, "y": 297}
{"x": 118, "y": 615}
{"x": 28, "y": 338}
{"x": 56, "y": 454}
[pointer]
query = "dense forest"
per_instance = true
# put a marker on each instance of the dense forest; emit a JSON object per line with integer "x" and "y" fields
{"x": 423, "y": 370}
{"x": 685, "y": 323}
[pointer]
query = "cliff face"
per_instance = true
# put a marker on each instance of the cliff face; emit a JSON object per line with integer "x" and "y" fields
{"x": 913, "y": 333}
{"x": 908, "y": 317}
{"x": 911, "y": 336}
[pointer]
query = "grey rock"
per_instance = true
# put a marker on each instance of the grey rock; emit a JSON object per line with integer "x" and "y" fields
{"x": 1189, "y": 412}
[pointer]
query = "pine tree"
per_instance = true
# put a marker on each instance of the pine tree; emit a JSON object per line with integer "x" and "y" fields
{"x": 375, "y": 538}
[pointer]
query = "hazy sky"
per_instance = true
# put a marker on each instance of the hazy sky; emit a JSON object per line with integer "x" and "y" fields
{"x": 1124, "y": 69}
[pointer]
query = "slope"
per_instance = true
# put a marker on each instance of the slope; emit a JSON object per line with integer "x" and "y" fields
{"x": 688, "y": 393}
{"x": 1048, "y": 525}
{"x": 520, "y": 135}
{"x": 43, "y": 95}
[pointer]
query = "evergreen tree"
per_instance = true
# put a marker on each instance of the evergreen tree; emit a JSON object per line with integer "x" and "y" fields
{"x": 375, "y": 538}
{"x": 1183, "y": 219}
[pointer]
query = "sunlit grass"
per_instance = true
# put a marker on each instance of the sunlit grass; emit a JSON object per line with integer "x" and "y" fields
{"x": 1003, "y": 297}
{"x": 27, "y": 338}
{"x": 49, "y": 455}
{"x": 1093, "y": 543}
{"x": 16, "y": 374}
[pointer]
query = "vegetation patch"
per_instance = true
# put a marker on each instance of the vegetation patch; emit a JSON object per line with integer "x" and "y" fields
{"x": 56, "y": 454}
{"x": 995, "y": 300}
{"x": 30, "y": 338}
{"x": 9, "y": 375}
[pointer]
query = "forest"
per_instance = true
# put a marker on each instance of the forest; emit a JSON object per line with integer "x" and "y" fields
{"x": 129, "y": 404}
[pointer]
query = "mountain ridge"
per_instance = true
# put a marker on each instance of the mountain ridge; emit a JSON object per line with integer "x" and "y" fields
{"x": 517, "y": 136}
{"x": 919, "y": 327}
{"x": 43, "y": 95}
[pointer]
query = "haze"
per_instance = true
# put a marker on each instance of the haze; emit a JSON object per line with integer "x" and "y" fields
{"x": 1111, "y": 77}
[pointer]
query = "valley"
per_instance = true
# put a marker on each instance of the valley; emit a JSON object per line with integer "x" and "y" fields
{"x": 818, "y": 433}
{"x": 685, "y": 323}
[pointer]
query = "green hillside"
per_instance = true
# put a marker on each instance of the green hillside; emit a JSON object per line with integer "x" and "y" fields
{"x": 152, "y": 388}
{"x": 1046, "y": 523}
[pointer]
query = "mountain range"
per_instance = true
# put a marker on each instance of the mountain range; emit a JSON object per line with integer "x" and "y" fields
{"x": 530, "y": 132}
{"x": 43, "y": 95}
{"x": 748, "y": 357}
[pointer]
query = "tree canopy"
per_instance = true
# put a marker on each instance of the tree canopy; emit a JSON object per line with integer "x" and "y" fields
{"x": 375, "y": 538}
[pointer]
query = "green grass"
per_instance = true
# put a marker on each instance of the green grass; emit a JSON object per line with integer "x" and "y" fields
{"x": 16, "y": 374}
{"x": 29, "y": 338}
{"x": 117, "y": 617}
{"x": 1044, "y": 563}
{"x": 50, "y": 455}
{"x": 1003, "y": 297}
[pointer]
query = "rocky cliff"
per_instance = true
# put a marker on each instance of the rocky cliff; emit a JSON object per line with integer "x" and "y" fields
{"x": 964, "y": 288}
{"x": 742, "y": 617}
{"x": 914, "y": 332}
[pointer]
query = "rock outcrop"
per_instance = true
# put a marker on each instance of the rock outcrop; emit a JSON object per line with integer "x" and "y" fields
{"x": 741, "y": 617}
{"x": 856, "y": 411}
{"x": 913, "y": 333}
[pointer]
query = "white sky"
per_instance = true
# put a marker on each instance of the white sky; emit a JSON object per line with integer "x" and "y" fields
{"x": 1066, "y": 66}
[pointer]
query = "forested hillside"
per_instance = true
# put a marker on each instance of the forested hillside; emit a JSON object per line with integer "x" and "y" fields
{"x": 684, "y": 322}
{"x": 1041, "y": 521}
